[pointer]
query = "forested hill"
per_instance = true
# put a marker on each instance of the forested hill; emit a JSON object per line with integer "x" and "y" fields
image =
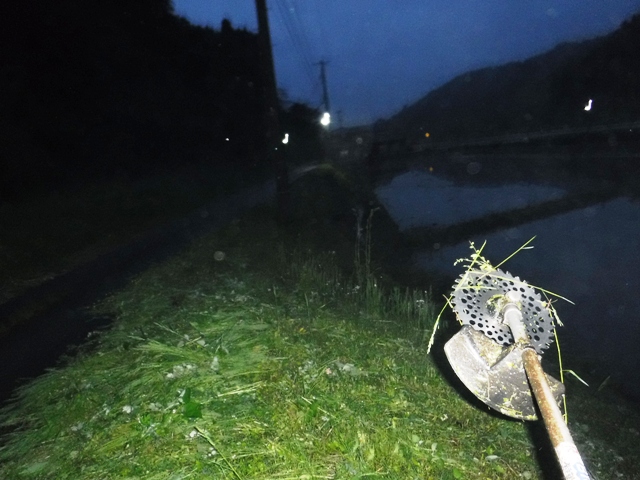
{"x": 544, "y": 92}
{"x": 92, "y": 88}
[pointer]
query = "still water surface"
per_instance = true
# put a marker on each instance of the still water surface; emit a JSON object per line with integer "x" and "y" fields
{"x": 589, "y": 255}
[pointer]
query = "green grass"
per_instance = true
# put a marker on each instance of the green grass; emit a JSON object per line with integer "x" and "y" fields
{"x": 273, "y": 363}
{"x": 258, "y": 367}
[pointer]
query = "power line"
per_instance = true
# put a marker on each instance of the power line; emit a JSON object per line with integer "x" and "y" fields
{"x": 294, "y": 35}
{"x": 299, "y": 40}
{"x": 304, "y": 39}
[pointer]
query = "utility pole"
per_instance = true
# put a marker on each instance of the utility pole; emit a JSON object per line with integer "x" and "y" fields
{"x": 323, "y": 79}
{"x": 275, "y": 149}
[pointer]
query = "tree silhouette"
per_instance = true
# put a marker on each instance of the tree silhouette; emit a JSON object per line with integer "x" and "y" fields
{"x": 92, "y": 89}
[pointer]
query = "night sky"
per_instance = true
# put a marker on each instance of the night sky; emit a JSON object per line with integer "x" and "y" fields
{"x": 384, "y": 54}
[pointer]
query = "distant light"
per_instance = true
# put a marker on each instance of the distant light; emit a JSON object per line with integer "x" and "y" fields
{"x": 326, "y": 119}
{"x": 588, "y": 107}
{"x": 285, "y": 140}
{"x": 427, "y": 134}
{"x": 227, "y": 139}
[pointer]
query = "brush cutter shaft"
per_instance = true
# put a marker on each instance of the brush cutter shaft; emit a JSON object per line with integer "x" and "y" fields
{"x": 572, "y": 466}
{"x": 513, "y": 318}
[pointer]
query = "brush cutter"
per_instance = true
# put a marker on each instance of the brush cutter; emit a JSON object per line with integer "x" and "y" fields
{"x": 506, "y": 327}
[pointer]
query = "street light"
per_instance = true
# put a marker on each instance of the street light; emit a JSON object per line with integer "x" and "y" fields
{"x": 326, "y": 119}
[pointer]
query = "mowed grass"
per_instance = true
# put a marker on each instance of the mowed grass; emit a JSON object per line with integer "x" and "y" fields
{"x": 253, "y": 356}
{"x": 249, "y": 367}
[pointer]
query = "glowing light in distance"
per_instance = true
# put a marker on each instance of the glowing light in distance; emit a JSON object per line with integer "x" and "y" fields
{"x": 285, "y": 140}
{"x": 427, "y": 134}
{"x": 588, "y": 106}
{"x": 326, "y": 119}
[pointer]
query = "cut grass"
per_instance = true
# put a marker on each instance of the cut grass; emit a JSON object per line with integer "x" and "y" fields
{"x": 223, "y": 369}
{"x": 266, "y": 367}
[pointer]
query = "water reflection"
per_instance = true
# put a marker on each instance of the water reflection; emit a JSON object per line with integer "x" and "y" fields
{"x": 589, "y": 255}
{"x": 418, "y": 198}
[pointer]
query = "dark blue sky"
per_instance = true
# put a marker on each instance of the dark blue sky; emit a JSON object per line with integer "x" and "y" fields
{"x": 384, "y": 54}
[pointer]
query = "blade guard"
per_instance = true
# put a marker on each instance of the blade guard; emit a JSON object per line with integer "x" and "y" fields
{"x": 495, "y": 374}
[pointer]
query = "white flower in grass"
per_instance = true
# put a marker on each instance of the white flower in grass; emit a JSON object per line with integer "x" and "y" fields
{"x": 215, "y": 364}
{"x": 349, "y": 368}
{"x": 240, "y": 298}
{"x": 193, "y": 434}
{"x": 127, "y": 409}
{"x": 77, "y": 427}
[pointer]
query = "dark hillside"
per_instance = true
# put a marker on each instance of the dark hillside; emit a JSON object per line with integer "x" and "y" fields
{"x": 544, "y": 92}
{"x": 95, "y": 89}
{"x": 609, "y": 74}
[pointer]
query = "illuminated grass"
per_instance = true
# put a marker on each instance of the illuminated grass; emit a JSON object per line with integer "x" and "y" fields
{"x": 259, "y": 367}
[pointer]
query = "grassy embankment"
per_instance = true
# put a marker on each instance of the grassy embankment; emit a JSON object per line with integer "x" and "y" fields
{"x": 49, "y": 234}
{"x": 252, "y": 356}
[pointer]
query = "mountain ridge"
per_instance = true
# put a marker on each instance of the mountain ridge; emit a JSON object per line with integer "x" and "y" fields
{"x": 547, "y": 91}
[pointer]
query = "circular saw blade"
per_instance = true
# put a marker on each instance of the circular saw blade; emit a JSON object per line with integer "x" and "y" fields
{"x": 479, "y": 297}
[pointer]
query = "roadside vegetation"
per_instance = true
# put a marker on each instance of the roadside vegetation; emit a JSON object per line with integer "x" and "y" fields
{"x": 255, "y": 355}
